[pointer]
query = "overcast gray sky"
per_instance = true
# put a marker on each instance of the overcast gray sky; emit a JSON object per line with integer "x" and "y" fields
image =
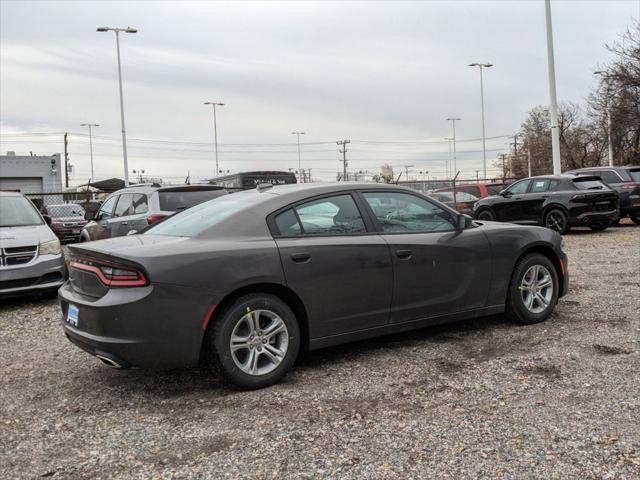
{"x": 368, "y": 71}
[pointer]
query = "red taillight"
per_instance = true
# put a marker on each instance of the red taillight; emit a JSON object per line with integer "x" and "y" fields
{"x": 155, "y": 217}
{"x": 460, "y": 206}
{"x": 111, "y": 274}
{"x": 630, "y": 185}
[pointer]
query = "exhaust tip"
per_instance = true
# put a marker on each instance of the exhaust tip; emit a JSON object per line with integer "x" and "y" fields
{"x": 109, "y": 362}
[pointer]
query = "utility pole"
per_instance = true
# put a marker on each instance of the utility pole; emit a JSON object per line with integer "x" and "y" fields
{"x": 455, "y": 163}
{"x": 299, "y": 163}
{"x": 609, "y": 126}
{"x": 503, "y": 157}
{"x": 477, "y": 176}
{"x": 529, "y": 156}
{"x": 406, "y": 171}
{"x": 66, "y": 161}
{"x": 90, "y": 144}
{"x": 553, "y": 101}
{"x": 343, "y": 151}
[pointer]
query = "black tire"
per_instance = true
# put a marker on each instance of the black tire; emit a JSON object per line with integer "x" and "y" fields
{"x": 599, "y": 227}
{"x": 555, "y": 219}
{"x": 516, "y": 309}
{"x": 217, "y": 349}
{"x": 486, "y": 215}
{"x": 635, "y": 219}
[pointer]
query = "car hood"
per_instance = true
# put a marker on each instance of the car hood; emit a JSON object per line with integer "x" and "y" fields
{"x": 25, "y": 236}
{"x": 68, "y": 219}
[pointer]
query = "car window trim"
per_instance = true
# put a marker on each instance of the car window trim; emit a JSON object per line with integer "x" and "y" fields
{"x": 275, "y": 231}
{"x": 378, "y": 225}
{"x": 100, "y": 210}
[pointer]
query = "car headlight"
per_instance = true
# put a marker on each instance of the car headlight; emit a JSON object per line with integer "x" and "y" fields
{"x": 50, "y": 248}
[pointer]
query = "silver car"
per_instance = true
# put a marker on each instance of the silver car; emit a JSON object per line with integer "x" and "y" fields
{"x": 31, "y": 259}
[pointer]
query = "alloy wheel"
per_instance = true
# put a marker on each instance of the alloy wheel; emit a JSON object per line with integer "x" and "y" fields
{"x": 259, "y": 342}
{"x": 555, "y": 221}
{"x": 536, "y": 288}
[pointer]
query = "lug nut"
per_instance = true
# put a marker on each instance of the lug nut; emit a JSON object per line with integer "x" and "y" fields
{"x": 264, "y": 340}
{"x": 259, "y": 349}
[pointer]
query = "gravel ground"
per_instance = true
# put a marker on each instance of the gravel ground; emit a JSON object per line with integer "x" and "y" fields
{"x": 481, "y": 398}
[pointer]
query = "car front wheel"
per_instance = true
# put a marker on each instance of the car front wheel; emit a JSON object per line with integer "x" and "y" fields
{"x": 533, "y": 292}
{"x": 254, "y": 341}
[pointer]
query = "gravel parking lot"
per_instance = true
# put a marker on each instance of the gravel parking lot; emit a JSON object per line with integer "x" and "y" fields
{"x": 482, "y": 398}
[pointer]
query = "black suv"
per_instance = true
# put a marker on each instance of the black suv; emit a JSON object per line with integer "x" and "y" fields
{"x": 558, "y": 202}
{"x": 625, "y": 181}
{"x": 138, "y": 206}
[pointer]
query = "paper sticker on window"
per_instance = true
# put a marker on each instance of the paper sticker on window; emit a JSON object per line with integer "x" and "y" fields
{"x": 540, "y": 184}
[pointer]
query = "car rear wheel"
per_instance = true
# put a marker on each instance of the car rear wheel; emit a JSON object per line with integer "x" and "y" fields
{"x": 557, "y": 220}
{"x": 254, "y": 342}
{"x": 534, "y": 289}
{"x": 486, "y": 215}
{"x": 635, "y": 219}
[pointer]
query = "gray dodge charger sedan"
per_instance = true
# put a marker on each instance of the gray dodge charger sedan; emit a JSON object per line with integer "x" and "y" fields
{"x": 246, "y": 281}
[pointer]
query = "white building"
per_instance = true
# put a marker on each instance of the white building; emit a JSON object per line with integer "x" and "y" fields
{"x": 31, "y": 174}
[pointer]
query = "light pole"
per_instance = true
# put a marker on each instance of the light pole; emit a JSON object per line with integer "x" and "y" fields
{"x": 609, "y": 126}
{"x": 455, "y": 163}
{"x": 215, "y": 130}
{"x": 124, "y": 135}
{"x": 553, "y": 101}
{"x": 447, "y": 163}
{"x": 299, "y": 162}
{"x": 484, "y": 147}
{"x": 90, "y": 145}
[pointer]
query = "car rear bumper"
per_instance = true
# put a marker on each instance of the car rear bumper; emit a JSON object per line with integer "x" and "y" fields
{"x": 152, "y": 326}
{"x": 593, "y": 218}
{"x": 46, "y": 272}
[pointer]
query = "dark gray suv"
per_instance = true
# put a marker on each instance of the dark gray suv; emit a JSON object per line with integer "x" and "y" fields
{"x": 624, "y": 180}
{"x": 137, "y": 207}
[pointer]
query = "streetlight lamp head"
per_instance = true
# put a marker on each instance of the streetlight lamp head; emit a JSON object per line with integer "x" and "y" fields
{"x": 131, "y": 30}
{"x": 102, "y": 29}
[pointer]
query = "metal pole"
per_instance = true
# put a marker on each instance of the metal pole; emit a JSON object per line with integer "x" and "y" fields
{"x": 124, "y": 135}
{"x": 553, "y": 101}
{"x": 609, "y": 137}
{"x": 215, "y": 137}
{"x": 299, "y": 161}
{"x": 484, "y": 147}
{"x": 455, "y": 158}
{"x": 91, "y": 152}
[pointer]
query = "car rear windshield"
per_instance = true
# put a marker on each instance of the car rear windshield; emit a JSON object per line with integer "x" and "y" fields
{"x": 635, "y": 174}
{"x": 589, "y": 184}
{"x": 204, "y": 216}
{"x": 18, "y": 212}
{"x": 174, "y": 200}
{"x": 494, "y": 189}
{"x": 70, "y": 210}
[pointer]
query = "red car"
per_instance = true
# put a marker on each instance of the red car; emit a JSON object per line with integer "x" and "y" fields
{"x": 479, "y": 190}
{"x": 67, "y": 221}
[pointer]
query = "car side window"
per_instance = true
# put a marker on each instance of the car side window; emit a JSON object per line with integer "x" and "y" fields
{"x": 475, "y": 191}
{"x": 123, "y": 207}
{"x": 139, "y": 204}
{"x": 553, "y": 185}
{"x": 402, "y": 212}
{"x": 539, "y": 186}
{"x": 106, "y": 210}
{"x": 519, "y": 187}
{"x": 337, "y": 215}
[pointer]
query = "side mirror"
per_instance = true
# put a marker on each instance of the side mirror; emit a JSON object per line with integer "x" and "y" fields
{"x": 464, "y": 221}
{"x": 47, "y": 219}
{"x": 504, "y": 193}
{"x": 89, "y": 215}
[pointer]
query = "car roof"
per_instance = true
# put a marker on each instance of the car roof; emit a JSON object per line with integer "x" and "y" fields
{"x": 4, "y": 193}
{"x": 154, "y": 187}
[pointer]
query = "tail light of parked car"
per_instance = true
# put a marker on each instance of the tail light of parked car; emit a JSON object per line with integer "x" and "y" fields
{"x": 155, "y": 218}
{"x": 462, "y": 206}
{"x": 630, "y": 186}
{"x": 111, "y": 274}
